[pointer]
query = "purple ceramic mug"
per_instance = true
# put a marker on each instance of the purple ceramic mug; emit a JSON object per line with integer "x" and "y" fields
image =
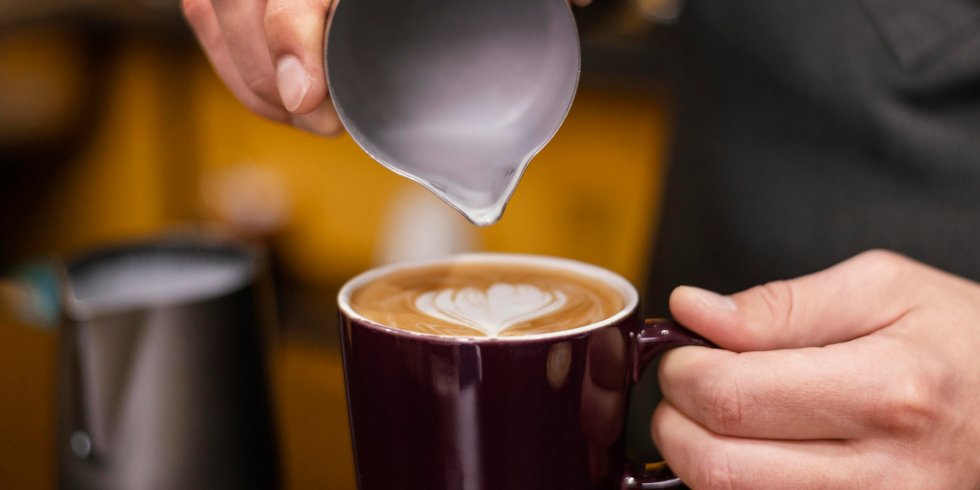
{"x": 528, "y": 412}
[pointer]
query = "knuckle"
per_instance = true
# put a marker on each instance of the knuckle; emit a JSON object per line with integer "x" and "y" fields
{"x": 192, "y": 8}
{"x": 716, "y": 471}
{"x": 884, "y": 263}
{"x": 278, "y": 13}
{"x": 289, "y": 14}
{"x": 723, "y": 406}
{"x": 908, "y": 405}
{"x": 880, "y": 255}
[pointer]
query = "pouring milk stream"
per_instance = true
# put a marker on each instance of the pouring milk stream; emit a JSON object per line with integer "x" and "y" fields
{"x": 457, "y": 95}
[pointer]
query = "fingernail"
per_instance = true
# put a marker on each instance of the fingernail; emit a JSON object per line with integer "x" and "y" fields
{"x": 293, "y": 81}
{"x": 714, "y": 300}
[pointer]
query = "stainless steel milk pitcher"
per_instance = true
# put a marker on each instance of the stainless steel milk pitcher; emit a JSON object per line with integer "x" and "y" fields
{"x": 162, "y": 369}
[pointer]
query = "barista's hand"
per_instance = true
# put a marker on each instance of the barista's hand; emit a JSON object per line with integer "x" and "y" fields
{"x": 865, "y": 375}
{"x": 270, "y": 55}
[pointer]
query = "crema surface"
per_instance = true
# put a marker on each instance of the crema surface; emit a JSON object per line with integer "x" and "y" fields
{"x": 486, "y": 300}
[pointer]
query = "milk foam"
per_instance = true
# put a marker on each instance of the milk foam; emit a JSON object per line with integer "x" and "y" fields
{"x": 491, "y": 311}
{"x": 495, "y": 300}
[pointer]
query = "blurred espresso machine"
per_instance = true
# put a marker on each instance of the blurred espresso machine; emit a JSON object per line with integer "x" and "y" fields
{"x": 163, "y": 381}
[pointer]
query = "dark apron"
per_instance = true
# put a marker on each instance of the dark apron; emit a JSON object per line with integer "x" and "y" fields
{"x": 810, "y": 131}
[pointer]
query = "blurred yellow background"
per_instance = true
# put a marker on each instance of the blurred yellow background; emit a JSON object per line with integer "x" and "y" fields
{"x": 154, "y": 153}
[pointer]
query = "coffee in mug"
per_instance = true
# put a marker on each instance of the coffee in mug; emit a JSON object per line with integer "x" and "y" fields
{"x": 496, "y": 371}
{"x": 486, "y": 299}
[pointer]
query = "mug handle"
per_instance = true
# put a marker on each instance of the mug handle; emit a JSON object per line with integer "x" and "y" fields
{"x": 652, "y": 338}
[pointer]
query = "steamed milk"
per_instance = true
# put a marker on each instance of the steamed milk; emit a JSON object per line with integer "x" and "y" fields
{"x": 486, "y": 300}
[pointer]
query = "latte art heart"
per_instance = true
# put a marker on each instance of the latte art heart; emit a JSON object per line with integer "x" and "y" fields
{"x": 497, "y": 300}
{"x": 493, "y": 310}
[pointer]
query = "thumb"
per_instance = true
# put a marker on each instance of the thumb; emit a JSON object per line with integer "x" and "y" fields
{"x": 295, "y": 31}
{"x": 847, "y": 301}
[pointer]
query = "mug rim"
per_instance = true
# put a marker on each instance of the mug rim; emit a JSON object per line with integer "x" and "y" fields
{"x": 608, "y": 277}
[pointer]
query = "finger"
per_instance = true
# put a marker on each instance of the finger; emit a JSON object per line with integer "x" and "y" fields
{"x": 322, "y": 121}
{"x": 704, "y": 460}
{"x": 843, "y": 391}
{"x": 242, "y": 26}
{"x": 846, "y": 301}
{"x": 203, "y": 21}
{"x": 294, "y": 30}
